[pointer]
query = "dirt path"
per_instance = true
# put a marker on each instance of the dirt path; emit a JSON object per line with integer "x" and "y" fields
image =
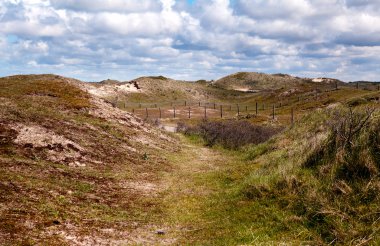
{"x": 191, "y": 183}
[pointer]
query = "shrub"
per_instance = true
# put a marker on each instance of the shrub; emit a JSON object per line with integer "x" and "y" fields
{"x": 158, "y": 77}
{"x": 231, "y": 134}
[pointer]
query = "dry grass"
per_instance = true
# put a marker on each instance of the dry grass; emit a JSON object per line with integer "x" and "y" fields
{"x": 69, "y": 169}
{"x": 44, "y": 89}
{"x": 327, "y": 176}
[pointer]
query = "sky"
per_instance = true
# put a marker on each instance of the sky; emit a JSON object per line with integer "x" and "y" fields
{"x": 94, "y": 40}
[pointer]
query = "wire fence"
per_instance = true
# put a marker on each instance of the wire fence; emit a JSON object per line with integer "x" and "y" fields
{"x": 190, "y": 109}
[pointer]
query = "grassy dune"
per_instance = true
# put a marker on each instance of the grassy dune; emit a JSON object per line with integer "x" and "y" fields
{"x": 67, "y": 174}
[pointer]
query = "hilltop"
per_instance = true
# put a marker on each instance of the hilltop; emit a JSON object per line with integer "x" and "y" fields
{"x": 156, "y": 89}
{"x": 144, "y": 88}
{"x": 244, "y": 89}
{"x": 255, "y": 82}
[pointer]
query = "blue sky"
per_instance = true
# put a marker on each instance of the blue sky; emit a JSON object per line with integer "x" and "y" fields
{"x": 190, "y": 39}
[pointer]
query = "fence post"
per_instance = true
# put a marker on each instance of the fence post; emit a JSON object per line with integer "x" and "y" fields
{"x": 146, "y": 112}
{"x": 238, "y": 109}
{"x": 273, "y": 112}
{"x": 230, "y": 107}
{"x": 174, "y": 111}
{"x": 205, "y": 111}
{"x": 257, "y": 108}
{"x": 336, "y": 85}
{"x": 133, "y": 111}
{"x": 246, "y": 108}
{"x": 221, "y": 111}
{"x": 189, "y": 113}
{"x": 357, "y": 85}
{"x": 160, "y": 112}
{"x": 199, "y": 104}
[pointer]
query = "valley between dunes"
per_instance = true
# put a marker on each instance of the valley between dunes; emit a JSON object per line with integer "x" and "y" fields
{"x": 89, "y": 163}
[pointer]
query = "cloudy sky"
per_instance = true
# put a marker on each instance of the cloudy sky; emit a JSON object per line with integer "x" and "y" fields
{"x": 190, "y": 39}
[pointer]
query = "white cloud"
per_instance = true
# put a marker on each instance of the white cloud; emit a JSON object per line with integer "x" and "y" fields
{"x": 126, "y": 6}
{"x": 276, "y": 9}
{"x": 356, "y": 22}
{"x": 32, "y": 29}
{"x": 167, "y": 5}
{"x": 95, "y": 38}
{"x": 31, "y": 18}
{"x": 144, "y": 24}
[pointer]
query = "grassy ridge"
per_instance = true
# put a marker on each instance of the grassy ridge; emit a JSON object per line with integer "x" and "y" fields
{"x": 49, "y": 89}
{"x": 330, "y": 186}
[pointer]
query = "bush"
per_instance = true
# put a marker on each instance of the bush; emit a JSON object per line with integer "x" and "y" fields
{"x": 231, "y": 134}
{"x": 158, "y": 77}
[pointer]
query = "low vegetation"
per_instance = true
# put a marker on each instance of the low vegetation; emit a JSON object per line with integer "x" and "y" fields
{"x": 160, "y": 77}
{"x": 334, "y": 189}
{"x": 231, "y": 134}
{"x": 43, "y": 91}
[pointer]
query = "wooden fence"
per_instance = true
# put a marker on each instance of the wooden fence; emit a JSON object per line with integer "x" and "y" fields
{"x": 200, "y": 109}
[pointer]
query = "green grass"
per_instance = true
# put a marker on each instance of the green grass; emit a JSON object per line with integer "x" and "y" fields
{"x": 216, "y": 212}
{"x": 264, "y": 194}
